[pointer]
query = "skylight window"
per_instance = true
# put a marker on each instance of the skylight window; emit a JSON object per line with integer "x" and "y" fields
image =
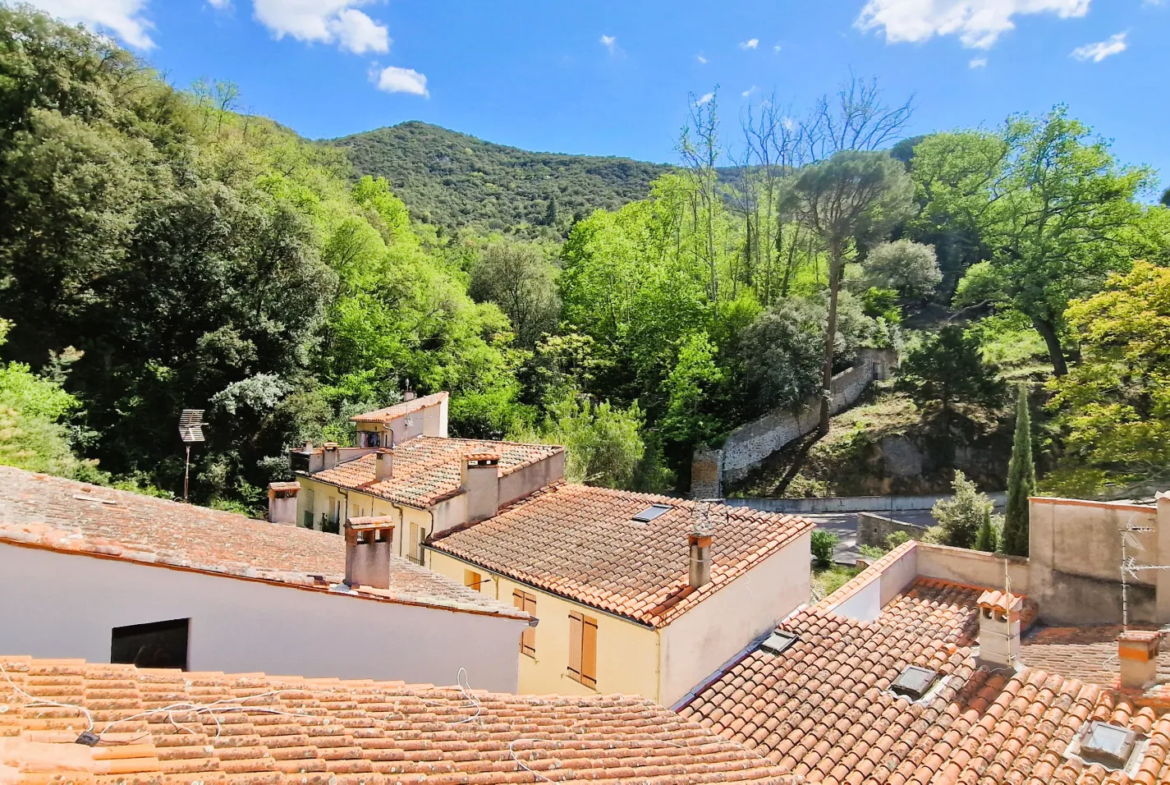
{"x": 778, "y": 642}
{"x": 914, "y": 682}
{"x": 1107, "y": 744}
{"x": 652, "y": 512}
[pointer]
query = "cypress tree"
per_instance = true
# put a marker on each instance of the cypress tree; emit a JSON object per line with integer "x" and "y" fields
{"x": 985, "y": 540}
{"x": 1021, "y": 482}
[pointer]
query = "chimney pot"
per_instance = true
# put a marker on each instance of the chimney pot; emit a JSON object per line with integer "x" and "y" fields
{"x": 368, "y": 545}
{"x": 282, "y": 502}
{"x": 383, "y": 465}
{"x": 700, "y": 540}
{"x": 1138, "y": 651}
{"x": 331, "y": 456}
{"x": 480, "y": 482}
{"x": 999, "y": 628}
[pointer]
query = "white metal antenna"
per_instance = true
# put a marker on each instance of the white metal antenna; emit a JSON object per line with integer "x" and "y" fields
{"x": 191, "y": 432}
{"x": 1129, "y": 566}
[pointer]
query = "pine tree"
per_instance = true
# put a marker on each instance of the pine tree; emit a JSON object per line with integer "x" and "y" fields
{"x": 986, "y": 540}
{"x": 1021, "y": 482}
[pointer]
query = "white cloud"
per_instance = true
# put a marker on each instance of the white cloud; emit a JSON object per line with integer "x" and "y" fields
{"x": 748, "y": 92}
{"x": 1102, "y": 49}
{"x": 751, "y": 43}
{"x": 776, "y": 48}
{"x": 706, "y": 98}
{"x": 220, "y": 4}
{"x": 327, "y": 21}
{"x": 609, "y": 42}
{"x": 978, "y": 23}
{"x": 123, "y": 18}
{"x": 702, "y": 60}
{"x": 400, "y": 80}
{"x": 977, "y": 62}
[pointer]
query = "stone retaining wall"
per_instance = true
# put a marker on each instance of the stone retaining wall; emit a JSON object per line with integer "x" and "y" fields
{"x": 874, "y": 529}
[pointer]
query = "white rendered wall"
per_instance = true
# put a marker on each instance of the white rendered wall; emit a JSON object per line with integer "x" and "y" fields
{"x": 64, "y": 605}
{"x": 711, "y": 633}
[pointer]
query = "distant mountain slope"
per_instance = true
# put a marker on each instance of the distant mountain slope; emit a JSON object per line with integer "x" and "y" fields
{"x": 455, "y": 180}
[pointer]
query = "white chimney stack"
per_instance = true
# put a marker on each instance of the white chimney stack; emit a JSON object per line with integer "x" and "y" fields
{"x": 481, "y": 484}
{"x": 383, "y": 464}
{"x": 368, "y": 545}
{"x": 1138, "y": 651}
{"x": 282, "y": 502}
{"x": 699, "y": 540}
{"x": 999, "y": 628}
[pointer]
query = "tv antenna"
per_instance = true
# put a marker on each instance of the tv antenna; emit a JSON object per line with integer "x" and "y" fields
{"x": 191, "y": 432}
{"x": 1129, "y": 566}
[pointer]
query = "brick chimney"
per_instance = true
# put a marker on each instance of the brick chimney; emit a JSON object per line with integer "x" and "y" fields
{"x": 1138, "y": 651}
{"x": 332, "y": 454}
{"x": 383, "y": 464}
{"x": 481, "y": 483}
{"x": 282, "y": 502}
{"x": 999, "y": 628}
{"x": 368, "y": 545}
{"x": 700, "y": 541}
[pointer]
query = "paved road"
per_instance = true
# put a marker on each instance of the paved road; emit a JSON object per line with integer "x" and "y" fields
{"x": 844, "y": 525}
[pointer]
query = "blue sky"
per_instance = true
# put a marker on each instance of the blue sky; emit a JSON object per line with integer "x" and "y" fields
{"x": 612, "y": 78}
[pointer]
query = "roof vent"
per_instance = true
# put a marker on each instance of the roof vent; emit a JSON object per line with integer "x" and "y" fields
{"x": 914, "y": 682}
{"x": 1109, "y": 745}
{"x": 652, "y": 512}
{"x": 778, "y": 642}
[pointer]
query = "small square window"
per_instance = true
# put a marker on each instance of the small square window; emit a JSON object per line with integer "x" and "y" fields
{"x": 1108, "y": 744}
{"x": 914, "y": 682}
{"x": 160, "y": 644}
{"x": 778, "y": 642}
{"x": 652, "y": 512}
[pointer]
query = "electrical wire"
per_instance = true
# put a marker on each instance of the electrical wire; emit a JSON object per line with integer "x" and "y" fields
{"x": 44, "y": 701}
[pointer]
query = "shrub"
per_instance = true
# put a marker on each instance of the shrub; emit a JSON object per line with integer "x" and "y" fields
{"x": 823, "y": 545}
{"x": 961, "y": 516}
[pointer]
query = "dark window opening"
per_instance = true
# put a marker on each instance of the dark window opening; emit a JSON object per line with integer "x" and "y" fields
{"x": 161, "y": 644}
{"x": 652, "y": 512}
{"x": 778, "y": 642}
{"x": 914, "y": 682}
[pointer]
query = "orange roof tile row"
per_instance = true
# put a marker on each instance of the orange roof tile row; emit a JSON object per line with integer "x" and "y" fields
{"x": 170, "y": 726}
{"x": 427, "y": 469}
{"x": 400, "y": 409}
{"x": 49, "y": 512}
{"x": 582, "y": 543}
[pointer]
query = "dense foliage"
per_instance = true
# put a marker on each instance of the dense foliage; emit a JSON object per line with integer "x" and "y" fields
{"x": 1021, "y": 482}
{"x": 454, "y": 180}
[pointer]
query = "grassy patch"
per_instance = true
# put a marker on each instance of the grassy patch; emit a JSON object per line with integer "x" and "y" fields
{"x": 827, "y": 580}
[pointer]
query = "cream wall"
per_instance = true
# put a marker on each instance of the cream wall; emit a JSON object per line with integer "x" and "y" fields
{"x": 696, "y": 644}
{"x": 411, "y": 523}
{"x": 66, "y": 605}
{"x": 627, "y": 653}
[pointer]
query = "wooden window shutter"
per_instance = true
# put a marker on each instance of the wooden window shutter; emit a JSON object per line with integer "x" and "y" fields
{"x": 526, "y": 603}
{"x": 589, "y": 651}
{"x": 575, "y": 636}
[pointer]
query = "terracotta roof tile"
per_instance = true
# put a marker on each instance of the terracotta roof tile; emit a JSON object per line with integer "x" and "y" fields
{"x": 427, "y": 468}
{"x": 582, "y": 543}
{"x": 172, "y": 726}
{"x": 822, "y": 708}
{"x": 49, "y": 512}
{"x": 400, "y": 409}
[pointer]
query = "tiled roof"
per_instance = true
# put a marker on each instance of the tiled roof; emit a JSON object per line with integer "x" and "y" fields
{"x": 581, "y": 542}
{"x": 400, "y": 409}
{"x": 427, "y": 468}
{"x": 822, "y": 709}
{"x": 169, "y": 726}
{"x": 1090, "y": 654}
{"x": 49, "y": 512}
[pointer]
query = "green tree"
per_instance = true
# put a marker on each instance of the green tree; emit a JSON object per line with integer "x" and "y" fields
{"x": 948, "y": 368}
{"x": 910, "y": 268}
{"x": 782, "y": 352}
{"x": 961, "y": 516}
{"x": 520, "y": 279}
{"x": 1051, "y": 206}
{"x": 691, "y": 415}
{"x": 1113, "y": 409}
{"x": 850, "y": 199}
{"x": 986, "y": 539}
{"x": 603, "y": 442}
{"x": 1021, "y": 481}
{"x": 823, "y": 545}
{"x": 1165, "y": 201}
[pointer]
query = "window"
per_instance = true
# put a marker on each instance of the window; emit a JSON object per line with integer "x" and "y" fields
{"x": 1107, "y": 744}
{"x": 583, "y": 649}
{"x": 413, "y": 544}
{"x": 527, "y": 603}
{"x": 914, "y": 682}
{"x": 161, "y": 644}
{"x": 778, "y": 642}
{"x": 308, "y": 519}
{"x": 472, "y": 580}
{"x": 652, "y": 512}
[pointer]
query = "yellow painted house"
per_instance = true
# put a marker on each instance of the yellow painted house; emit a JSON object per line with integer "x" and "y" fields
{"x": 635, "y": 594}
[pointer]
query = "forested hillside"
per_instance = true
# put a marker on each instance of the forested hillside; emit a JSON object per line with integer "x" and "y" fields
{"x": 160, "y": 252}
{"x": 455, "y": 180}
